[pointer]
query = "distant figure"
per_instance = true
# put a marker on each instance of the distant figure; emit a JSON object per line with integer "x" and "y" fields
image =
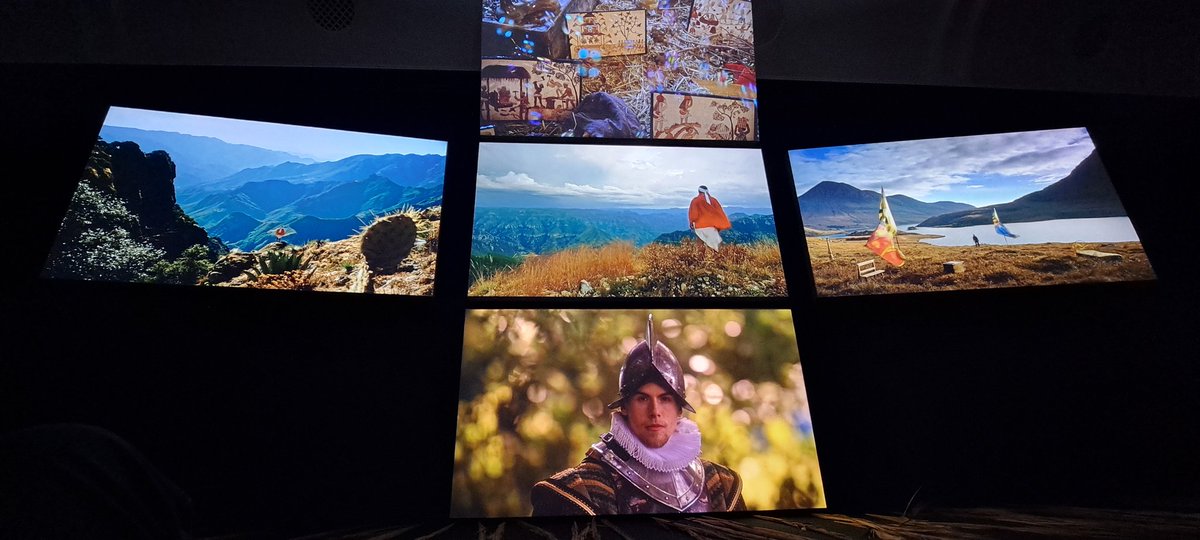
{"x": 707, "y": 218}
{"x": 976, "y": 239}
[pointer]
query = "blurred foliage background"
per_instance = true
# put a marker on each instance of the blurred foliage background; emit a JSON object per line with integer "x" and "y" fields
{"x": 535, "y": 384}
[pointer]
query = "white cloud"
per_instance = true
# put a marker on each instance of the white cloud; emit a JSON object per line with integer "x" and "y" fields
{"x": 625, "y": 176}
{"x": 929, "y": 168}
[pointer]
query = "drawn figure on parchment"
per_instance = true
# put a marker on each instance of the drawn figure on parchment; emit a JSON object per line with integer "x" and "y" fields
{"x": 718, "y": 132}
{"x": 733, "y": 112}
{"x": 567, "y": 97}
{"x": 742, "y": 130}
{"x": 537, "y": 94}
{"x": 660, "y": 103}
{"x": 722, "y": 20}
{"x": 702, "y": 117}
{"x": 709, "y": 23}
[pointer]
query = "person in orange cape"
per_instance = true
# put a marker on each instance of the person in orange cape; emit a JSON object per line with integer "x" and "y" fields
{"x": 706, "y": 218}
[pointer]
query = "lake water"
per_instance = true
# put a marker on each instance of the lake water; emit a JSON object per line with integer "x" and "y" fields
{"x": 1110, "y": 229}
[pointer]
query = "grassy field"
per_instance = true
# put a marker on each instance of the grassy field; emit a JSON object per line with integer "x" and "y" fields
{"x": 984, "y": 267}
{"x": 655, "y": 270}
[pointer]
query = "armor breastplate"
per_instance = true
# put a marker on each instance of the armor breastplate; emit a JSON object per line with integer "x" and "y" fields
{"x": 680, "y": 490}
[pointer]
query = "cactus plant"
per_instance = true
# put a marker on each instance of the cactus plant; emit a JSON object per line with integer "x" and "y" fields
{"x": 275, "y": 262}
{"x": 388, "y": 241}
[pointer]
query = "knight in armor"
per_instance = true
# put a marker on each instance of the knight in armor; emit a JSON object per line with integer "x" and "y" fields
{"x": 649, "y": 462}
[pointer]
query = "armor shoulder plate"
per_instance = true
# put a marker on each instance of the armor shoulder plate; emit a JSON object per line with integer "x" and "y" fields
{"x": 583, "y": 490}
{"x": 724, "y": 487}
{"x": 678, "y": 490}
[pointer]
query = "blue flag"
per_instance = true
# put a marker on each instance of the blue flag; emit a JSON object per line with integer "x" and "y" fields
{"x": 1000, "y": 228}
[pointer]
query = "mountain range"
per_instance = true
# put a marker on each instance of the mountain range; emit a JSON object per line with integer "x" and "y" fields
{"x": 199, "y": 159}
{"x": 242, "y": 194}
{"x": 746, "y": 229}
{"x": 523, "y": 231}
{"x": 834, "y": 205}
{"x": 401, "y": 169}
{"x": 1086, "y": 192}
{"x": 247, "y": 216}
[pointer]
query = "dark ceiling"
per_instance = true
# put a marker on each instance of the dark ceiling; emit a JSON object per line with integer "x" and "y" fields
{"x": 1145, "y": 47}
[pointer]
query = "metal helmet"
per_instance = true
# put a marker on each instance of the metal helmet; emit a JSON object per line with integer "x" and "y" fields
{"x": 651, "y": 361}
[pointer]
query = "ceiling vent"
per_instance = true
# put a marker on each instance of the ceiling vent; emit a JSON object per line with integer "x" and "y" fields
{"x": 332, "y": 15}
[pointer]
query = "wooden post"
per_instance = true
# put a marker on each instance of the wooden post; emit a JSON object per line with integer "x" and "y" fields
{"x": 829, "y": 249}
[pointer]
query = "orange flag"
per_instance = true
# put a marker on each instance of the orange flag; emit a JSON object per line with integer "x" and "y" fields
{"x": 882, "y": 244}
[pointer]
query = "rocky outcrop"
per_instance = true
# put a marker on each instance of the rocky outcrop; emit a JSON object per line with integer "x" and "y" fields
{"x": 123, "y": 223}
{"x": 146, "y": 184}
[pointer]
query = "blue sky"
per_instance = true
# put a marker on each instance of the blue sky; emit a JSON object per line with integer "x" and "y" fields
{"x": 317, "y": 143}
{"x": 980, "y": 170}
{"x": 596, "y": 176}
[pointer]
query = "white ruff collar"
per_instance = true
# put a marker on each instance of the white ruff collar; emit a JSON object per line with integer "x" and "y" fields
{"x": 681, "y": 449}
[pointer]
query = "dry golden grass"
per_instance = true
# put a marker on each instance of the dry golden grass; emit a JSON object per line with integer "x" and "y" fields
{"x": 562, "y": 271}
{"x": 655, "y": 270}
{"x": 984, "y": 267}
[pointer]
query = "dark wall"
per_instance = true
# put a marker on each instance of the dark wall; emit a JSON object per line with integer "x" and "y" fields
{"x": 1147, "y": 47}
{"x": 291, "y": 411}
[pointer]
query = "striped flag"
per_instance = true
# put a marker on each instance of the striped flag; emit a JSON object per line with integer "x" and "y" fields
{"x": 1000, "y": 228}
{"x": 885, "y": 214}
{"x": 883, "y": 244}
{"x": 883, "y": 240}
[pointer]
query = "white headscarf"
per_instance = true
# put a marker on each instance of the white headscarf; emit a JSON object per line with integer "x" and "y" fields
{"x": 704, "y": 190}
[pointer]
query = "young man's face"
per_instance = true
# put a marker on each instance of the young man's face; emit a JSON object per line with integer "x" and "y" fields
{"x": 653, "y": 414}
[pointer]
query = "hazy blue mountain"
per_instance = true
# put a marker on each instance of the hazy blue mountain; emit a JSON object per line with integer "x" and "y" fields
{"x": 303, "y": 229}
{"x": 288, "y": 194}
{"x": 199, "y": 159}
{"x": 322, "y": 211}
{"x": 1086, "y": 192}
{"x": 746, "y": 229}
{"x": 254, "y": 199}
{"x": 401, "y": 169}
{"x": 834, "y": 205}
{"x": 515, "y": 231}
{"x": 373, "y": 194}
{"x": 235, "y": 226}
